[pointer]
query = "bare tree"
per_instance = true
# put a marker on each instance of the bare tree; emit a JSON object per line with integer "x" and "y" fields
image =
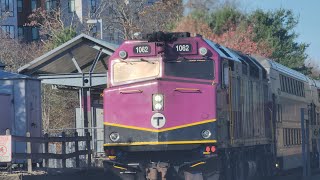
{"x": 121, "y": 16}
{"x": 161, "y": 16}
{"x": 52, "y": 23}
{"x": 127, "y": 17}
{"x": 201, "y": 5}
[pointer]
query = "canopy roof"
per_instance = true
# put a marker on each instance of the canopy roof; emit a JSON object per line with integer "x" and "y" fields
{"x": 80, "y": 62}
{"x": 74, "y": 56}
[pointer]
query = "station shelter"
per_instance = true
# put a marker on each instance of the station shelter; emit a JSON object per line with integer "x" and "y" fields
{"x": 79, "y": 64}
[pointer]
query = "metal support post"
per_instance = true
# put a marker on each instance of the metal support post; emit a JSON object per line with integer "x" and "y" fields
{"x": 86, "y": 107}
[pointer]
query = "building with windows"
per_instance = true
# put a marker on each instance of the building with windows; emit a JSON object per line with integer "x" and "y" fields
{"x": 14, "y": 16}
{"x": 8, "y": 18}
{"x": 15, "y": 13}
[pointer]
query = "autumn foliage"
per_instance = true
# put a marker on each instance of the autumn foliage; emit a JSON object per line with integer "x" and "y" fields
{"x": 238, "y": 38}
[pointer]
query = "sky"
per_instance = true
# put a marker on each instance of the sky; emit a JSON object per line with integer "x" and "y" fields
{"x": 308, "y": 12}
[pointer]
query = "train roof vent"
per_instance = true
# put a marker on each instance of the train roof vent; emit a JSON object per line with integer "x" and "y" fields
{"x": 222, "y": 51}
{"x": 253, "y": 66}
{"x": 264, "y": 71}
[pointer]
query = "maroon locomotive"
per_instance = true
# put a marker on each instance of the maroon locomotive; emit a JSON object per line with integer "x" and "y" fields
{"x": 184, "y": 107}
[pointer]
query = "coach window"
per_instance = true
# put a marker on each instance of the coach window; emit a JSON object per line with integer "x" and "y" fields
{"x": 279, "y": 113}
{"x": 299, "y": 88}
{"x": 290, "y": 86}
{"x": 284, "y": 137}
{"x": 288, "y": 135}
{"x": 295, "y": 84}
{"x": 281, "y": 83}
{"x": 286, "y": 84}
{"x": 295, "y": 136}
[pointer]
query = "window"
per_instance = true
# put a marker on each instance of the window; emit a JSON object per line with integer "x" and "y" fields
{"x": 71, "y": 6}
{"x": 110, "y": 36}
{"x": 281, "y": 82}
{"x": 7, "y": 7}
{"x": 51, "y": 5}
{"x": 286, "y": 137}
{"x": 35, "y": 33}
{"x": 279, "y": 112}
{"x": 20, "y": 32}
{"x": 7, "y": 31}
{"x": 34, "y": 5}
{"x": 20, "y": 5}
{"x": 150, "y": 2}
{"x": 197, "y": 69}
{"x": 93, "y": 6}
{"x": 119, "y": 38}
{"x": 137, "y": 70}
{"x": 299, "y": 136}
{"x": 295, "y": 136}
{"x": 94, "y": 30}
{"x": 292, "y": 86}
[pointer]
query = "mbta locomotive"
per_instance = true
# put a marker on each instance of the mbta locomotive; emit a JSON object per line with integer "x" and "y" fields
{"x": 181, "y": 107}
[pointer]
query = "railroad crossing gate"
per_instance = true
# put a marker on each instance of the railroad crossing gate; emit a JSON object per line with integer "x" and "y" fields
{"x": 5, "y": 149}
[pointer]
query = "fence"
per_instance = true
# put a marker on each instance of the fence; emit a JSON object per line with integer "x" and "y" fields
{"x": 96, "y": 133}
{"x": 45, "y": 156}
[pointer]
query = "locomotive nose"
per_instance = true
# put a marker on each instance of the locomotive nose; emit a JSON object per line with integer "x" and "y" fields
{"x": 160, "y": 113}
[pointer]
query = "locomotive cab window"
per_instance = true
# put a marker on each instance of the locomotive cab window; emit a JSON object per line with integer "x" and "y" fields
{"x": 197, "y": 69}
{"x": 135, "y": 70}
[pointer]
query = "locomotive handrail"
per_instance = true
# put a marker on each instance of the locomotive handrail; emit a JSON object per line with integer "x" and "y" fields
{"x": 131, "y": 91}
{"x": 188, "y": 90}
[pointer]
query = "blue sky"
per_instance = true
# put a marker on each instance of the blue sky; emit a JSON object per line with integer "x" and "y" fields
{"x": 309, "y": 19}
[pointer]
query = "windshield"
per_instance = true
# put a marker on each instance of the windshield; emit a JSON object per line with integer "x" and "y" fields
{"x": 130, "y": 71}
{"x": 198, "y": 69}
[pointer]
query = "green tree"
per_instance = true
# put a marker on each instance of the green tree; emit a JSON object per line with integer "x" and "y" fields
{"x": 225, "y": 18}
{"x": 277, "y": 28}
{"x": 272, "y": 28}
{"x": 61, "y": 37}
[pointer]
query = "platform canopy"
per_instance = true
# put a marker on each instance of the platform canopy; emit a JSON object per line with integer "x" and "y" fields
{"x": 77, "y": 64}
{"x": 80, "y": 62}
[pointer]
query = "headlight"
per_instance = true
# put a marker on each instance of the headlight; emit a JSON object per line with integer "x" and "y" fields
{"x": 158, "y": 97}
{"x": 157, "y": 102}
{"x": 158, "y": 106}
{"x": 205, "y": 134}
{"x": 114, "y": 136}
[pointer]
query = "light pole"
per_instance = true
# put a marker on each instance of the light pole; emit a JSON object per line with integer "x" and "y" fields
{"x": 95, "y": 21}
